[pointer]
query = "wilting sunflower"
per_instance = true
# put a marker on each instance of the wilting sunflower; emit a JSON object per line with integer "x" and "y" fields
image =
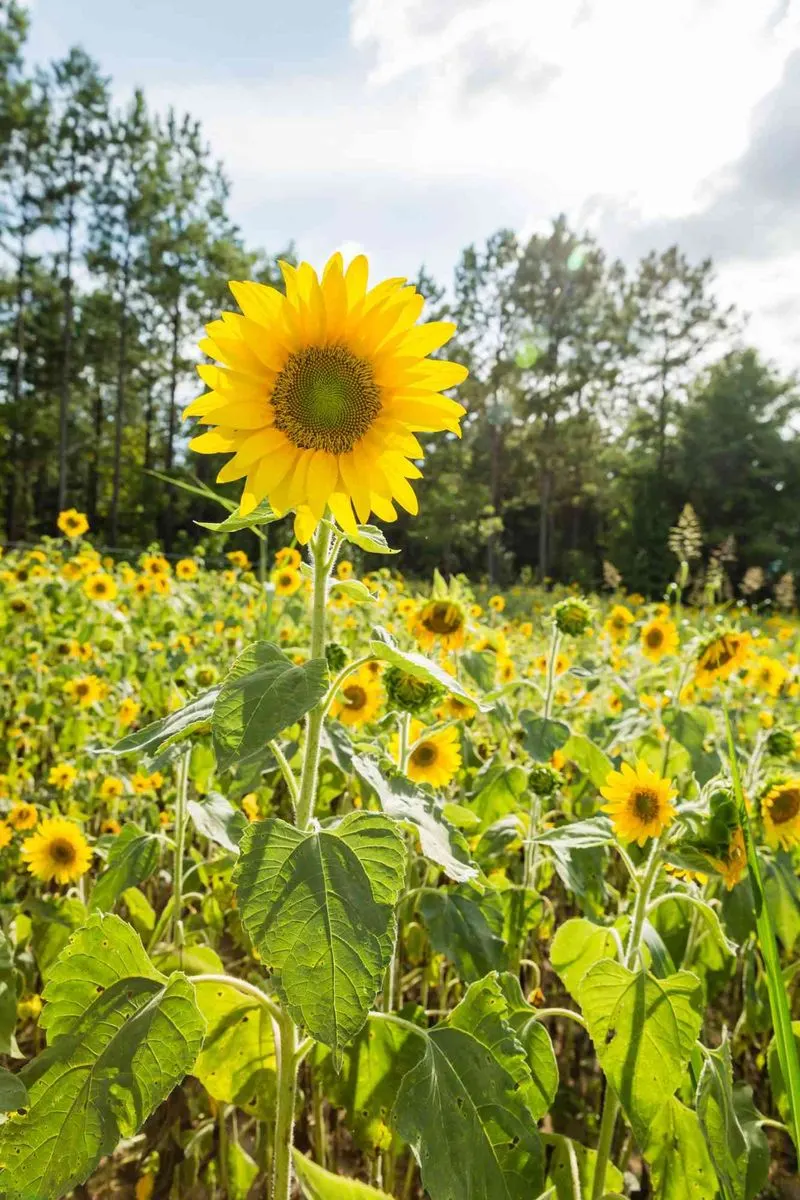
{"x": 321, "y": 391}
{"x": 440, "y": 623}
{"x": 639, "y": 802}
{"x": 22, "y": 816}
{"x": 658, "y": 638}
{"x": 732, "y": 866}
{"x": 780, "y": 811}
{"x": 100, "y": 587}
{"x": 72, "y": 523}
{"x": 57, "y": 851}
{"x": 287, "y": 580}
{"x": 767, "y": 674}
{"x": 359, "y": 701}
{"x": 720, "y": 656}
{"x": 618, "y": 622}
{"x": 435, "y": 757}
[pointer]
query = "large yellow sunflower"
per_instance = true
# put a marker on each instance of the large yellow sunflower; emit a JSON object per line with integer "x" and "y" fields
{"x": 320, "y": 393}
{"x": 658, "y": 637}
{"x": 780, "y": 810}
{"x": 720, "y": 656}
{"x": 639, "y": 802}
{"x": 58, "y": 850}
{"x": 359, "y": 700}
{"x": 434, "y": 758}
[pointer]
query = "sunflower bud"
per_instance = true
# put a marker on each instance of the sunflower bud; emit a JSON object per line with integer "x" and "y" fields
{"x": 544, "y": 779}
{"x": 409, "y": 693}
{"x": 572, "y": 616}
{"x": 780, "y": 743}
{"x": 336, "y": 657}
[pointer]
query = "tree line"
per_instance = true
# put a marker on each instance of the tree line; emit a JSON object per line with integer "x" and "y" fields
{"x": 601, "y": 396}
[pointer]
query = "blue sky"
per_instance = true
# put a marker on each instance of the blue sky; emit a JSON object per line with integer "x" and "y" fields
{"x": 409, "y": 128}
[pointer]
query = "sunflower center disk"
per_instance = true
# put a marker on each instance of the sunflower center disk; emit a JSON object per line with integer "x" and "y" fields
{"x": 645, "y": 803}
{"x": 785, "y": 806}
{"x": 654, "y": 638}
{"x": 442, "y": 619}
{"x": 325, "y": 399}
{"x": 355, "y": 696}
{"x": 62, "y": 851}
{"x": 424, "y": 755}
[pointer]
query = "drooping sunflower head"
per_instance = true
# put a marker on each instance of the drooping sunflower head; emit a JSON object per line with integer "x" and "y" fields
{"x": 780, "y": 811}
{"x": 658, "y": 638}
{"x": 440, "y": 623}
{"x": 57, "y": 851}
{"x": 721, "y": 655}
{"x": 359, "y": 700}
{"x": 409, "y": 693}
{"x": 639, "y": 802}
{"x": 320, "y": 392}
{"x": 572, "y": 616}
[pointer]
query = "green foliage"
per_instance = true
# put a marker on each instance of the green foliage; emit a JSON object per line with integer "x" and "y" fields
{"x": 319, "y": 1184}
{"x": 132, "y": 859}
{"x": 237, "y": 1062}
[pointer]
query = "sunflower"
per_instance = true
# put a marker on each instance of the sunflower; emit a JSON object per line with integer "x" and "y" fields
{"x": 720, "y": 656}
{"x": 238, "y": 558}
{"x": 128, "y": 711}
{"x": 287, "y": 556}
{"x": 780, "y": 810}
{"x": 435, "y": 757}
{"x": 100, "y": 587}
{"x": 733, "y": 864}
{"x": 22, "y": 816}
{"x": 62, "y": 776}
{"x": 561, "y": 664}
{"x": 110, "y": 825}
{"x": 287, "y": 580}
{"x": 154, "y": 565}
{"x": 143, "y": 586}
{"x": 250, "y": 806}
{"x": 639, "y": 802}
{"x": 344, "y": 569}
{"x": 111, "y": 788}
{"x": 497, "y": 603}
{"x": 359, "y": 701}
{"x": 73, "y": 524}
{"x": 618, "y": 622}
{"x": 57, "y": 851}
{"x": 5, "y": 835}
{"x": 85, "y": 691}
{"x": 162, "y": 585}
{"x": 686, "y": 876}
{"x": 767, "y": 674}
{"x": 321, "y": 391}
{"x": 440, "y": 623}
{"x": 658, "y": 638}
{"x": 454, "y": 708}
{"x": 186, "y": 568}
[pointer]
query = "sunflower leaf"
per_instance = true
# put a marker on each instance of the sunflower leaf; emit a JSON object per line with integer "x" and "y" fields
{"x": 215, "y": 818}
{"x": 458, "y": 928}
{"x": 319, "y": 909}
{"x": 158, "y": 735}
{"x": 237, "y": 1062}
{"x": 678, "y": 1156}
{"x": 370, "y": 539}
{"x": 318, "y": 1184}
{"x": 13, "y": 1093}
{"x": 579, "y": 944}
{"x": 261, "y": 515}
{"x": 383, "y": 646}
{"x": 8, "y": 999}
{"x": 132, "y": 859}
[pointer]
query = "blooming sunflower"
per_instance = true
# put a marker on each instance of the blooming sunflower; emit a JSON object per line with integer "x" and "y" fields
{"x": 344, "y": 569}
{"x": 62, "y": 776}
{"x": 57, "y": 851}
{"x": 111, "y": 788}
{"x": 454, "y": 708}
{"x": 440, "y": 623}
{"x": 110, "y": 826}
{"x": 100, "y": 587}
{"x": 73, "y": 524}
{"x": 780, "y": 811}
{"x": 238, "y": 558}
{"x": 618, "y": 622}
{"x": 720, "y": 656}
{"x": 497, "y": 603}
{"x": 186, "y": 568}
{"x": 287, "y": 580}
{"x": 435, "y": 757}
{"x": 85, "y": 691}
{"x": 639, "y": 802}
{"x": 659, "y": 637}
{"x": 359, "y": 701}
{"x": 767, "y": 674}
{"x": 287, "y": 556}
{"x": 23, "y": 816}
{"x": 321, "y": 391}
{"x": 155, "y": 565}
{"x": 128, "y": 711}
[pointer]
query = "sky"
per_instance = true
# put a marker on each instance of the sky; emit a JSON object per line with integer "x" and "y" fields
{"x": 412, "y": 128}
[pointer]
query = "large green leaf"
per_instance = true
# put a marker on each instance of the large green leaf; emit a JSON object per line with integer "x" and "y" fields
{"x": 403, "y": 801}
{"x": 13, "y": 1093}
{"x": 579, "y": 835}
{"x": 383, "y": 646}
{"x": 319, "y": 1184}
{"x": 570, "y": 1160}
{"x": 319, "y": 908}
{"x": 132, "y": 859}
{"x": 691, "y": 729}
{"x": 677, "y": 1154}
{"x": 542, "y": 736}
{"x": 121, "y": 1036}
{"x": 263, "y": 693}
{"x": 719, "y": 1122}
{"x": 465, "y": 1108}
{"x": 237, "y": 1062}
{"x": 458, "y": 929}
{"x": 588, "y": 758}
{"x": 53, "y": 921}
{"x": 577, "y": 946}
{"x": 8, "y": 998}
{"x": 643, "y": 1031}
{"x": 192, "y": 718}
{"x": 535, "y": 1040}
{"x": 215, "y": 818}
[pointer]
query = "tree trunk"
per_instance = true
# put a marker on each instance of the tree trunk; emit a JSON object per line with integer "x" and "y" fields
{"x": 494, "y": 495}
{"x": 66, "y": 360}
{"x": 119, "y": 408}
{"x": 545, "y": 490}
{"x": 173, "y": 384}
{"x": 93, "y": 482}
{"x": 14, "y": 466}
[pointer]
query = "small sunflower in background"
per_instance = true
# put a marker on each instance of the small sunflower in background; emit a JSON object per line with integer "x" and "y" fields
{"x": 360, "y": 699}
{"x": 5, "y": 835}
{"x": 435, "y": 757}
{"x": 62, "y": 776}
{"x": 287, "y": 556}
{"x": 321, "y": 392}
{"x": 85, "y": 691}
{"x": 110, "y": 826}
{"x": 154, "y": 565}
{"x": 497, "y": 603}
{"x": 23, "y": 816}
{"x": 128, "y": 711}
{"x": 73, "y": 524}
{"x": 721, "y": 655}
{"x": 780, "y": 812}
{"x": 238, "y": 559}
{"x": 454, "y": 708}
{"x": 767, "y": 675}
{"x": 287, "y": 581}
{"x": 658, "y": 638}
{"x": 58, "y": 852}
{"x": 639, "y": 802}
{"x": 344, "y": 569}
{"x": 186, "y": 568}
{"x": 440, "y": 624}
{"x": 100, "y": 587}
{"x": 618, "y": 622}
{"x": 111, "y": 788}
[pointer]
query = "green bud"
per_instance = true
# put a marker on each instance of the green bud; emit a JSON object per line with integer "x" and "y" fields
{"x": 408, "y": 693}
{"x": 544, "y": 779}
{"x": 572, "y": 616}
{"x": 336, "y": 656}
{"x": 780, "y": 743}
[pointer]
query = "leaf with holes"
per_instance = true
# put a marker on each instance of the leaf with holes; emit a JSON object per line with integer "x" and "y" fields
{"x": 677, "y": 1154}
{"x": 237, "y": 1062}
{"x": 577, "y": 946}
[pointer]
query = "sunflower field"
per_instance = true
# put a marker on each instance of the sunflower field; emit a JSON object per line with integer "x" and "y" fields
{"x": 318, "y": 881}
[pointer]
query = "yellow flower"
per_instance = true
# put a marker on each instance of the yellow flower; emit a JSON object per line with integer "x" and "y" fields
{"x": 767, "y": 674}
{"x": 57, "y": 851}
{"x": 359, "y": 700}
{"x": 440, "y": 623}
{"x": 766, "y": 719}
{"x": 686, "y": 876}
{"x": 29, "y": 1007}
{"x": 23, "y": 816}
{"x": 733, "y": 865}
{"x": 344, "y": 569}
{"x": 456, "y": 708}
{"x": 497, "y": 603}
{"x": 526, "y": 629}
{"x": 780, "y": 811}
{"x": 86, "y": 690}
{"x": 128, "y": 711}
{"x": 156, "y": 780}
{"x": 658, "y": 638}
{"x": 162, "y": 585}
{"x": 287, "y": 556}
{"x": 639, "y": 802}
{"x": 140, "y": 783}
{"x": 238, "y": 558}
{"x": 109, "y": 825}
{"x": 186, "y": 568}
{"x": 73, "y": 524}
{"x": 720, "y": 656}
{"x": 618, "y": 622}
{"x": 435, "y": 758}
{"x": 506, "y": 671}
{"x": 100, "y": 587}
{"x": 321, "y": 391}
{"x": 614, "y": 704}
{"x": 143, "y": 586}
{"x": 250, "y": 806}
{"x": 287, "y": 580}
{"x": 111, "y": 788}
{"x": 62, "y": 776}
{"x": 561, "y": 664}
{"x": 5, "y": 835}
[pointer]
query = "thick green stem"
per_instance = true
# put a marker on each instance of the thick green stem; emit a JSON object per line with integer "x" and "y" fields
{"x": 182, "y": 782}
{"x": 286, "y": 1046}
{"x": 308, "y": 779}
{"x": 551, "y": 672}
{"x": 534, "y": 812}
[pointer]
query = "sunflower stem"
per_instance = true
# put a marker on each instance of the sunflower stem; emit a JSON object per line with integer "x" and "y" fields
{"x": 323, "y": 562}
{"x": 182, "y": 785}
{"x": 551, "y": 671}
{"x": 286, "y": 1046}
